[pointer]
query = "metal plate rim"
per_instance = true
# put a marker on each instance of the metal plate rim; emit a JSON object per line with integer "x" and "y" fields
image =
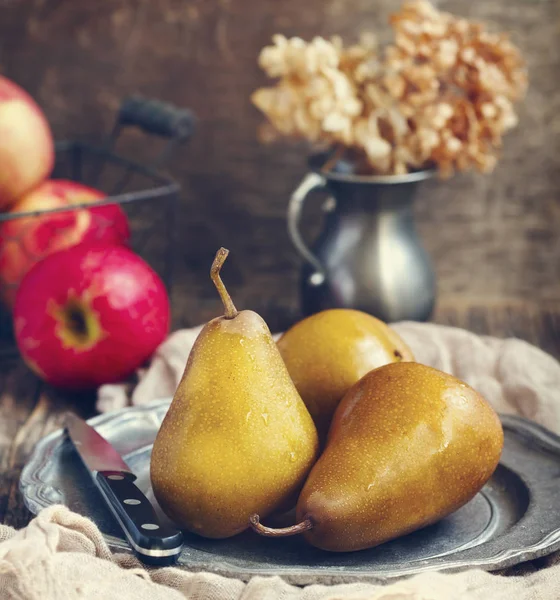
{"x": 35, "y": 494}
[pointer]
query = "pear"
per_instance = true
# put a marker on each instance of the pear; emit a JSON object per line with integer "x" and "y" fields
{"x": 237, "y": 438}
{"x": 408, "y": 445}
{"x": 328, "y": 352}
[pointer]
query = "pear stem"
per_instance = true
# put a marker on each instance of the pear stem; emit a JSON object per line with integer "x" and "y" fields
{"x": 229, "y": 306}
{"x": 261, "y": 529}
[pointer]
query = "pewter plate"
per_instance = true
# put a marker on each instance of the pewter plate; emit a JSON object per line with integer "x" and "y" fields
{"x": 516, "y": 517}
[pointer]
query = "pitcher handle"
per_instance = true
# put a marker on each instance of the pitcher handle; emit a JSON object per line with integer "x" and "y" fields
{"x": 310, "y": 182}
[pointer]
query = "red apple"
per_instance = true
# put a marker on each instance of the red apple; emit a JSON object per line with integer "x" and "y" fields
{"x": 90, "y": 315}
{"x": 26, "y": 240}
{"x": 26, "y": 144}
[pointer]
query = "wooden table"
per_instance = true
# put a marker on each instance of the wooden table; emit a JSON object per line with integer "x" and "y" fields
{"x": 29, "y": 409}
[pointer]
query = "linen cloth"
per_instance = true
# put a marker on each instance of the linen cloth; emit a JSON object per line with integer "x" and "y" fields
{"x": 62, "y": 555}
{"x": 514, "y": 376}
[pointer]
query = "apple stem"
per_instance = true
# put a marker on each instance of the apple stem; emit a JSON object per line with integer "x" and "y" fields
{"x": 261, "y": 529}
{"x": 229, "y": 306}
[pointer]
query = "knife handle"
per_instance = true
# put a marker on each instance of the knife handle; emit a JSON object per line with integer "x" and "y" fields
{"x": 153, "y": 542}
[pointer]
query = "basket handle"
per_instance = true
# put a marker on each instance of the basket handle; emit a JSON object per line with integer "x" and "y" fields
{"x": 157, "y": 117}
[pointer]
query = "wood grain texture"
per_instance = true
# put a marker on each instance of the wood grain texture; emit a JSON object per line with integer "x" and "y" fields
{"x": 19, "y": 392}
{"x": 28, "y": 411}
{"x": 493, "y": 236}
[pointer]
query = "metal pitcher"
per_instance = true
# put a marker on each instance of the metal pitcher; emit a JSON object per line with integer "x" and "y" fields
{"x": 368, "y": 256}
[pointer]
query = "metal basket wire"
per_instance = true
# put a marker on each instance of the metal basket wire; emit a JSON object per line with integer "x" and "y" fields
{"x": 147, "y": 195}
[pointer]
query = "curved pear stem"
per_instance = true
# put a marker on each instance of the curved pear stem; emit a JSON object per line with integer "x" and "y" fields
{"x": 261, "y": 529}
{"x": 229, "y": 306}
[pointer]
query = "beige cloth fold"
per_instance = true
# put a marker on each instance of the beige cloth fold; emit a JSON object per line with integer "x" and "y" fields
{"x": 515, "y": 377}
{"x": 61, "y": 555}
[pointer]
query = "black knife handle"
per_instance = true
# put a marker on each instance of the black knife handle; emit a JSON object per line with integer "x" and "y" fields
{"x": 153, "y": 542}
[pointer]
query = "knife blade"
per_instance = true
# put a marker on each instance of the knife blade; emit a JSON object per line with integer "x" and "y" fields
{"x": 154, "y": 542}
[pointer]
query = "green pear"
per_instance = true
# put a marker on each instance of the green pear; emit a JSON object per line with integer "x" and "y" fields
{"x": 408, "y": 445}
{"x": 237, "y": 438}
{"x": 328, "y": 352}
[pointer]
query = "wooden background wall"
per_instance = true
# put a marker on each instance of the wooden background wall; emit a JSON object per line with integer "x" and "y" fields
{"x": 493, "y": 237}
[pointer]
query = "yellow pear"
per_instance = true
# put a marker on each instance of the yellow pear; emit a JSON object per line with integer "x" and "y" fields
{"x": 408, "y": 445}
{"x": 237, "y": 438}
{"x": 328, "y": 352}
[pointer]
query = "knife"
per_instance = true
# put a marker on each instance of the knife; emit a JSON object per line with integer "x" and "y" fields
{"x": 154, "y": 542}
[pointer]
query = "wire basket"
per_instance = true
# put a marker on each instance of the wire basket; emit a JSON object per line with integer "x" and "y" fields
{"x": 147, "y": 196}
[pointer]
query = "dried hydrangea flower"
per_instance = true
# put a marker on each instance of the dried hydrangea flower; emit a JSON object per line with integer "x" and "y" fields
{"x": 442, "y": 93}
